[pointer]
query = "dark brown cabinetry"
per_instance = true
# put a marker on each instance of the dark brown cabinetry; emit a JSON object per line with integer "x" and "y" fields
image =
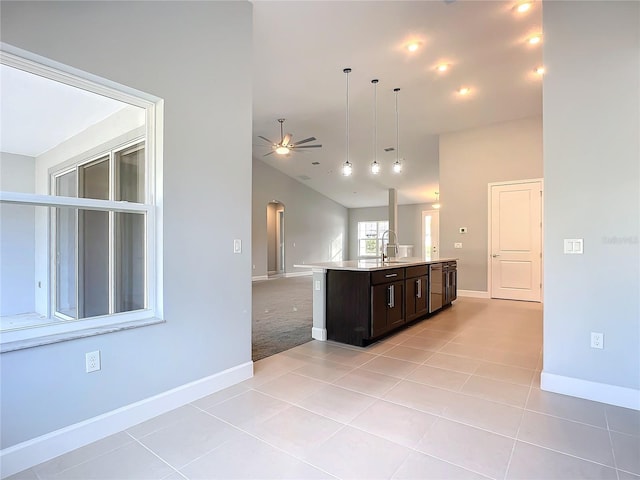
{"x": 362, "y": 306}
{"x": 417, "y": 292}
{"x": 387, "y": 300}
{"x": 449, "y": 282}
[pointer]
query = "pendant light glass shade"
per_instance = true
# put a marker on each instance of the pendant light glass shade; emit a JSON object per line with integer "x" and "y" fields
{"x": 397, "y": 166}
{"x": 437, "y": 204}
{"x": 347, "y": 168}
{"x": 375, "y": 166}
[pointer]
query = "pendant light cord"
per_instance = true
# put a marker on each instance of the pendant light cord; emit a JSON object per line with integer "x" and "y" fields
{"x": 375, "y": 120}
{"x": 347, "y": 71}
{"x": 397, "y": 128}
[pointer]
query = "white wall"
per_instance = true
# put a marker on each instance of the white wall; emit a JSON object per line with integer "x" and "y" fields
{"x": 315, "y": 226}
{"x": 409, "y": 225}
{"x": 197, "y": 57}
{"x": 17, "y": 237}
{"x": 592, "y": 191}
{"x": 469, "y": 161}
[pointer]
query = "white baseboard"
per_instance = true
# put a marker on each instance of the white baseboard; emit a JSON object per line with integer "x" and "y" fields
{"x": 40, "y": 449}
{"x": 599, "y": 392}
{"x": 473, "y": 294}
{"x": 298, "y": 274}
{"x": 259, "y": 277}
{"x": 319, "y": 333}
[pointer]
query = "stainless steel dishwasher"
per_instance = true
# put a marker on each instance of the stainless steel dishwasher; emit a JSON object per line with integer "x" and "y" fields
{"x": 435, "y": 287}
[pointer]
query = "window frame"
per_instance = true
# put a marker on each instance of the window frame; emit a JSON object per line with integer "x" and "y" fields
{"x": 152, "y": 209}
{"x": 378, "y": 238}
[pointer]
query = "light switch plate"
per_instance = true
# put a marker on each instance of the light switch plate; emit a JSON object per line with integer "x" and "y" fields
{"x": 237, "y": 246}
{"x": 573, "y": 246}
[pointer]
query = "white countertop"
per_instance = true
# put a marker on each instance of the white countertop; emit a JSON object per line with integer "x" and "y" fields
{"x": 373, "y": 264}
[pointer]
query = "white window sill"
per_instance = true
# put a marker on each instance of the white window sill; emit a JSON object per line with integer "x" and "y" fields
{"x": 37, "y": 336}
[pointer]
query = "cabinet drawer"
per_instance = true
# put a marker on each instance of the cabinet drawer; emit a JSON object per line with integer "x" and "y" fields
{"x": 417, "y": 271}
{"x": 386, "y": 276}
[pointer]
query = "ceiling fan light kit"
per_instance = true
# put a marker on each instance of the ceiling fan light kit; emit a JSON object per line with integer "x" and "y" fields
{"x": 285, "y": 145}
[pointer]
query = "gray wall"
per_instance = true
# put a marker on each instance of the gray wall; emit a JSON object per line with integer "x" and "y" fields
{"x": 469, "y": 161}
{"x": 315, "y": 226}
{"x": 409, "y": 225}
{"x": 592, "y": 190}
{"x": 197, "y": 57}
{"x": 17, "y": 237}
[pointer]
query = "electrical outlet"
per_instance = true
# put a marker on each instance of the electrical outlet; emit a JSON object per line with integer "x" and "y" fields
{"x": 317, "y": 284}
{"x": 92, "y": 361}
{"x": 457, "y": 245}
{"x": 597, "y": 340}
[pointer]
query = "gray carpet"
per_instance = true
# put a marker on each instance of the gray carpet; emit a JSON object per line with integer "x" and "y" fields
{"x": 282, "y": 315}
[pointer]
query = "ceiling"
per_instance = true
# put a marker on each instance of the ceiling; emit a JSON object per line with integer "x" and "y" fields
{"x": 300, "y": 49}
{"x": 36, "y": 113}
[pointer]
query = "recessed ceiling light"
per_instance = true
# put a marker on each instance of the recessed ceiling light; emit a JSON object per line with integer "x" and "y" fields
{"x": 443, "y": 67}
{"x": 464, "y": 91}
{"x": 535, "y": 39}
{"x": 413, "y": 46}
{"x": 523, "y": 7}
{"x": 539, "y": 70}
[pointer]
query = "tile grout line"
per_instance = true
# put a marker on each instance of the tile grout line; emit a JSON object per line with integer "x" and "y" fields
{"x": 613, "y": 452}
{"x": 156, "y": 455}
{"x": 515, "y": 442}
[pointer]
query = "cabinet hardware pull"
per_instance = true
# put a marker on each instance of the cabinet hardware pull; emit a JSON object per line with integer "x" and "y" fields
{"x": 419, "y": 288}
{"x": 391, "y": 275}
{"x": 391, "y": 296}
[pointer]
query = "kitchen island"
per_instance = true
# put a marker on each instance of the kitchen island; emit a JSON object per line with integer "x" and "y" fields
{"x": 359, "y": 301}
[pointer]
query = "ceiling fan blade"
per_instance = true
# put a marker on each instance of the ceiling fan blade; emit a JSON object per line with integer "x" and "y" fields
{"x": 265, "y": 139}
{"x": 306, "y": 140}
{"x": 305, "y": 146}
{"x": 268, "y": 153}
{"x": 286, "y": 140}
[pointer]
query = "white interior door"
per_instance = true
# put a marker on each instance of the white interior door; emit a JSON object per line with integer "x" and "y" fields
{"x": 431, "y": 234}
{"x": 516, "y": 241}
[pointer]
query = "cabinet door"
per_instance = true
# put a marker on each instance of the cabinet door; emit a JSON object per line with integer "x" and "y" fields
{"x": 411, "y": 287}
{"x": 379, "y": 300}
{"x": 395, "y": 311}
{"x": 421, "y": 303}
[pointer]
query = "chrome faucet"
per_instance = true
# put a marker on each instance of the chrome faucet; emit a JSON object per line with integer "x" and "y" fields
{"x": 395, "y": 245}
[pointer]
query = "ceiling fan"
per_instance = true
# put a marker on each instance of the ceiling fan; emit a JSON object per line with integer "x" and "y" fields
{"x": 286, "y": 145}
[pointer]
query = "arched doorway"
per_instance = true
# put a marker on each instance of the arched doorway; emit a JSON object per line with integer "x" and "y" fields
{"x": 275, "y": 239}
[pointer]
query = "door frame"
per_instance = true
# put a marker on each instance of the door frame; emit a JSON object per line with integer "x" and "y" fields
{"x": 436, "y": 210}
{"x": 489, "y": 218}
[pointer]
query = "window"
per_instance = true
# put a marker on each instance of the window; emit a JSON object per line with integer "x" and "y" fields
{"x": 100, "y": 255}
{"x": 84, "y": 208}
{"x": 370, "y": 238}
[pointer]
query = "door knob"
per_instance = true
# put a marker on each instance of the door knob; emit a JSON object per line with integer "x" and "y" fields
{"x": 495, "y": 255}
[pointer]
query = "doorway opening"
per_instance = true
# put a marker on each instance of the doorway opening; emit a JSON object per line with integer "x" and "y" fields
{"x": 275, "y": 239}
{"x": 431, "y": 234}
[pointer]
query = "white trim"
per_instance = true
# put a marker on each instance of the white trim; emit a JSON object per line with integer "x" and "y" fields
{"x": 298, "y": 274}
{"x": 599, "y": 392}
{"x": 257, "y": 278}
{"x": 473, "y": 294}
{"x": 319, "y": 334}
{"x": 37, "y": 450}
{"x": 73, "y": 202}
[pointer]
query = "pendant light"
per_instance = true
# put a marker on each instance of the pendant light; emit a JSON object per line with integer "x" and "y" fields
{"x": 397, "y": 166}
{"x": 375, "y": 166}
{"x": 437, "y": 204}
{"x": 347, "y": 168}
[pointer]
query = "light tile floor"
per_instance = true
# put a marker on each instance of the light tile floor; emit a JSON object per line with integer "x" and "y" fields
{"x": 455, "y": 396}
